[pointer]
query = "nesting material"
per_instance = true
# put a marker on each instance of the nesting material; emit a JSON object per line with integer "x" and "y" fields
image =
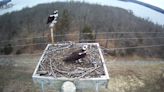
{"x": 53, "y": 64}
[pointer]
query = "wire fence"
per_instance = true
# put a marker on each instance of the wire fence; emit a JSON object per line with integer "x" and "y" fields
{"x": 99, "y": 33}
{"x": 103, "y": 48}
{"x": 27, "y": 45}
{"x": 25, "y": 54}
{"x": 87, "y": 40}
{"x": 135, "y": 47}
{"x": 99, "y": 39}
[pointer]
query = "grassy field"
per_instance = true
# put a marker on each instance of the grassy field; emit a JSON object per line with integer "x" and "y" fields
{"x": 135, "y": 75}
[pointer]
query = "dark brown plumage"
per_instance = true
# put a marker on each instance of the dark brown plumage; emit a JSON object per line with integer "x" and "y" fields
{"x": 52, "y": 17}
{"x": 75, "y": 56}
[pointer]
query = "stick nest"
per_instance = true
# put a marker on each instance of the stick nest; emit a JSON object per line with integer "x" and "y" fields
{"x": 52, "y": 63}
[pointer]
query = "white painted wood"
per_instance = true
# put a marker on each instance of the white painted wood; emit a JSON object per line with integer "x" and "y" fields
{"x": 36, "y": 69}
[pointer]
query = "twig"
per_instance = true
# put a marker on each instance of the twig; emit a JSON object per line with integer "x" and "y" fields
{"x": 76, "y": 71}
{"x": 58, "y": 49}
{"x": 42, "y": 67}
{"x": 59, "y": 71}
{"x": 53, "y": 74}
{"x": 91, "y": 70}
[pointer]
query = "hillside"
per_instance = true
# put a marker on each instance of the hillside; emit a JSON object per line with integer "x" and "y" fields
{"x": 119, "y": 26}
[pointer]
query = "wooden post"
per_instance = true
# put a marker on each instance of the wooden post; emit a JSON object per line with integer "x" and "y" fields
{"x": 52, "y": 35}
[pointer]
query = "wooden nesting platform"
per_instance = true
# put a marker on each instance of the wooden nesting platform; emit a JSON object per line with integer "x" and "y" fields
{"x": 53, "y": 70}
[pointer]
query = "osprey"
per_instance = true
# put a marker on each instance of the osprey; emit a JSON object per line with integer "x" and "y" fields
{"x": 52, "y": 18}
{"x": 77, "y": 55}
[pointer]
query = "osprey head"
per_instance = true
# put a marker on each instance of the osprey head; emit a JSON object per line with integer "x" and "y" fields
{"x": 84, "y": 47}
{"x": 56, "y": 11}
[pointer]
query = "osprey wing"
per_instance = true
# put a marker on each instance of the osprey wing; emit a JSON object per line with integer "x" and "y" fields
{"x": 50, "y": 19}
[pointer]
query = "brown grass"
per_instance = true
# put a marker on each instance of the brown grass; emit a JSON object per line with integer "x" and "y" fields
{"x": 126, "y": 76}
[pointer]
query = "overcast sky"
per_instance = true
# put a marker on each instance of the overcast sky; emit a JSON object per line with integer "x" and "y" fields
{"x": 138, "y": 10}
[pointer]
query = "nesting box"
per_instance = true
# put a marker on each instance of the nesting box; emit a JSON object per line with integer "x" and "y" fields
{"x": 52, "y": 71}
